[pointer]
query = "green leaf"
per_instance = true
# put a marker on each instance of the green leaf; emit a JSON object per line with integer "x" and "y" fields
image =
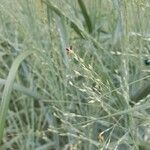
{"x": 85, "y": 14}
{"x": 8, "y": 89}
{"x": 23, "y": 90}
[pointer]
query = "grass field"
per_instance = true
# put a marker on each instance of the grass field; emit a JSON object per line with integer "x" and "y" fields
{"x": 74, "y": 75}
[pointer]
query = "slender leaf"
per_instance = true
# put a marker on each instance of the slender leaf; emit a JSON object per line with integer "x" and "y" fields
{"x": 85, "y": 14}
{"x": 8, "y": 89}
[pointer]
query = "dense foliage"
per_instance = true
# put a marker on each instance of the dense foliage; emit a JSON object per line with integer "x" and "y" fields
{"x": 74, "y": 74}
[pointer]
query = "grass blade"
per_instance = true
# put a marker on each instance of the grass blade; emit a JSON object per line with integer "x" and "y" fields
{"x": 23, "y": 90}
{"x": 85, "y": 14}
{"x": 8, "y": 89}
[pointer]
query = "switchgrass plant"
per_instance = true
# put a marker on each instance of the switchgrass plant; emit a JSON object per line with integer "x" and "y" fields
{"x": 71, "y": 73}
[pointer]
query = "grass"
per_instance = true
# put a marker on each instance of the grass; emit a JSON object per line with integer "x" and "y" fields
{"x": 94, "y": 97}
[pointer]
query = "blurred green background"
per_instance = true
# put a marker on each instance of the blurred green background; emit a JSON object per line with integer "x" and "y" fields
{"x": 95, "y": 96}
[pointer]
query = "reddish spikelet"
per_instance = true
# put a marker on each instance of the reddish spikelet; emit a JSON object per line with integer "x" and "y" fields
{"x": 69, "y": 50}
